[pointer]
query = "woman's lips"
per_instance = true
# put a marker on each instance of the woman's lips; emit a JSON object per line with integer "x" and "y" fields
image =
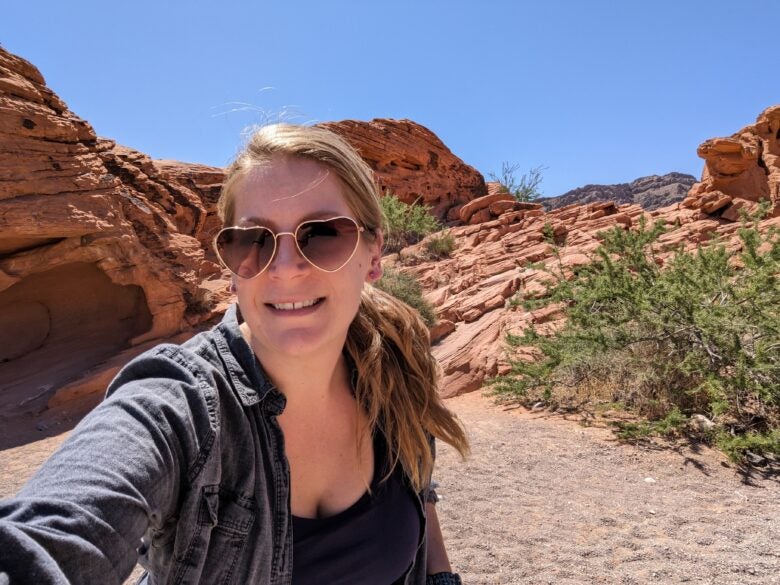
{"x": 284, "y": 310}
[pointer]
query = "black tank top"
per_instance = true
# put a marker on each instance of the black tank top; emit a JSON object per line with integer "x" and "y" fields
{"x": 373, "y": 541}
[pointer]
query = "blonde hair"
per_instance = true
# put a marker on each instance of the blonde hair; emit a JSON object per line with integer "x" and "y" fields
{"x": 397, "y": 376}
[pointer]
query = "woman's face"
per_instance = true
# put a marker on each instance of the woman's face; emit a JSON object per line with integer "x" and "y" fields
{"x": 280, "y": 195}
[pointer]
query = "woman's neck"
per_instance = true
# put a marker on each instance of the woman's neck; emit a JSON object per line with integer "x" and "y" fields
{"x": 307, "y": 382}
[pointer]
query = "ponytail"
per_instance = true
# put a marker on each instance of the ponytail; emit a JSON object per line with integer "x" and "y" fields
{"x": 397, "y": 381}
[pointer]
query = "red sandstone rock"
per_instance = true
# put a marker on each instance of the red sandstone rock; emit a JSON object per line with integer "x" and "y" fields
{"x": 411, "y": 162}
{"x": 473, "y": 290}
{"x": 481, "y": 203}
{"x": 498, "y": 207}
{"x": 99, "y": 252}
{"x": 743, "y": 167}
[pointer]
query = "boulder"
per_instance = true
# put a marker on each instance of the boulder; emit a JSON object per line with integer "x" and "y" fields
{"x": 742, "y": 168}
{"x": 412, "y": 163}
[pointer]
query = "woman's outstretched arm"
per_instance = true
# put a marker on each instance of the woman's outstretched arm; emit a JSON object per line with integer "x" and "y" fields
{"x": 81, "y": 517}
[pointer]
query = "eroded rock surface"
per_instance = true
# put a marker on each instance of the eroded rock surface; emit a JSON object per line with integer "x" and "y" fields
{"x": 473, "y": 291}
{"x": 101, "y": 249}
{"x": 412, "y": 162}
{"x": 740, "y": 170}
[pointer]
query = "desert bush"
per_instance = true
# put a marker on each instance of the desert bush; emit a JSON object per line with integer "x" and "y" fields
{"x": 740, "y": 447}
{"x": 525, "y": 188}
{"x": 406, "y": 223}
{"x": 405, "y": 288}
{"x": 701, "y": 335}
{"x": 440, "y": 245}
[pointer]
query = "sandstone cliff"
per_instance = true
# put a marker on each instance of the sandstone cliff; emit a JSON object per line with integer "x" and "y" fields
{"x": 101, "y": 249}
{"x": 648, "y": 192}
{"x": 414, "y": 164}
{"x": 472, "y": 290}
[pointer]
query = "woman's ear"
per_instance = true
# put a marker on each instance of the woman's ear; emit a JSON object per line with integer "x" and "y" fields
{"x": 375, "y": 273}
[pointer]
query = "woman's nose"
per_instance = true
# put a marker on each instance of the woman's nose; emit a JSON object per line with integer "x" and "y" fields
{"x": 287, "y": 260}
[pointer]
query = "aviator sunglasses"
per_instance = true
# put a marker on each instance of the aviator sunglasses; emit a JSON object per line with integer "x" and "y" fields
{"x": 326, "y": 244}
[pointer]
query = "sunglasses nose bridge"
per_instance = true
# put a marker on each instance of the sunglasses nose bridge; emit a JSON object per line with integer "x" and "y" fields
{"x": 278, "y": 249}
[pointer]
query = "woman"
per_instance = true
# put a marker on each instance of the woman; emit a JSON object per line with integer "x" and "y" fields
{"x": 292, "y": 443}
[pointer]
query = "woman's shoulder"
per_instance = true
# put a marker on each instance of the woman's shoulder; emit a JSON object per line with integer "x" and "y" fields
{"x": 191, "y": 361}
{"x": 215, "y": 364}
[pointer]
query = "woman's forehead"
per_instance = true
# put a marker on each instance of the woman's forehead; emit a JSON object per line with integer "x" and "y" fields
{"x": 290, "y": 188}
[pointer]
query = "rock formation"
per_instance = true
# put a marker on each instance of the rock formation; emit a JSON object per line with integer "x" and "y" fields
{"x": 740, "y": 170}
{"x": 414, "y": 164}
{"x": 495, "y": 203}
{"x": 101, "y": 249}
{"x": 649, "y": 193}
{"x": 472, "y": 290}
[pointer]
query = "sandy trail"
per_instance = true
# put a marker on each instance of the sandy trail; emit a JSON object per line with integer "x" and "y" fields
{"x": 544, "y": 500}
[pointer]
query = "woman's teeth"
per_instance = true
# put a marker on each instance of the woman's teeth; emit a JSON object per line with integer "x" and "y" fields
{"x": 293, "y": 306}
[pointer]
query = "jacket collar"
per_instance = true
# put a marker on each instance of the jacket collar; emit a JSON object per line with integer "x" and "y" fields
{"x": 246, "y": 373}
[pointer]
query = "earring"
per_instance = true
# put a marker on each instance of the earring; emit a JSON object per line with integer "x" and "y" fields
{"x": 232, "y": 288}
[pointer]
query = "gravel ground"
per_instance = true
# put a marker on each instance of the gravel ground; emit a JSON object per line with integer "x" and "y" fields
{"x": 544, "y": 500}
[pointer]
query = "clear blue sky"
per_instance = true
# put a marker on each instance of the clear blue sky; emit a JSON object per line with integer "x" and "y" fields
{"x": 597, "y": 91}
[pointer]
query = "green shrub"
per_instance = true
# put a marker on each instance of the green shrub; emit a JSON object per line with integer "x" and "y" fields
{"x": 405, "y": 288}
{"x": 441, "y": 245}
{"x": 737, "y": 447}
{"x": 406, "y": 223}
{"x": 701, "y": 335}
{"x": 526, "y": 188}
{"x": 671, "y": 424}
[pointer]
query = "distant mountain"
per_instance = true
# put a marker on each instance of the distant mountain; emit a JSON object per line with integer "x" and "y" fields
{"x": 650, "y": 192}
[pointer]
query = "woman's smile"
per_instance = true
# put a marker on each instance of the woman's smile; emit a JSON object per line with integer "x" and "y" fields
{"x": 296, "y": 308}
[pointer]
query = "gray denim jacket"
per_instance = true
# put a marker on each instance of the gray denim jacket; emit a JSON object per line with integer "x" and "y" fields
{"x": 184, "y": 463}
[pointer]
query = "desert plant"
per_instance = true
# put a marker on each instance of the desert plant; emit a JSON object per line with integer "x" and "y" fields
{"x": 525, "y": 188}
{"x": 740, "y": 447}
{"x": 440, "y": 245}
{"x": 406, "y": 223}
{"x": 405, "y": 288}
{"x": 701, "y": 335}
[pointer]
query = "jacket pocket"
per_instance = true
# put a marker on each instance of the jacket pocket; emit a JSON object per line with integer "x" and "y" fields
{"x": 218, "y": 540}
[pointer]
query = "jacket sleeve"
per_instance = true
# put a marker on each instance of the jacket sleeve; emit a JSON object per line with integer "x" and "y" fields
{"x": 81, "y": 517}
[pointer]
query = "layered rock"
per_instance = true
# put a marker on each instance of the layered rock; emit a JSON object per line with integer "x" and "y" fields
{"x": 494, "y": 204}
{"x": 473, "y": 291}
{"x": 412, "y": 162}
{"x": 101, "y": 250}
{"x": 650, "y": 192}
{"x": 740, "y": 170}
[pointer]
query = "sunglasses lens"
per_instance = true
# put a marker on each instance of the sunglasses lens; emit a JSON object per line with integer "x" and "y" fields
{"x": 245, "y": 251}
{"x": 328, "y": 244}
